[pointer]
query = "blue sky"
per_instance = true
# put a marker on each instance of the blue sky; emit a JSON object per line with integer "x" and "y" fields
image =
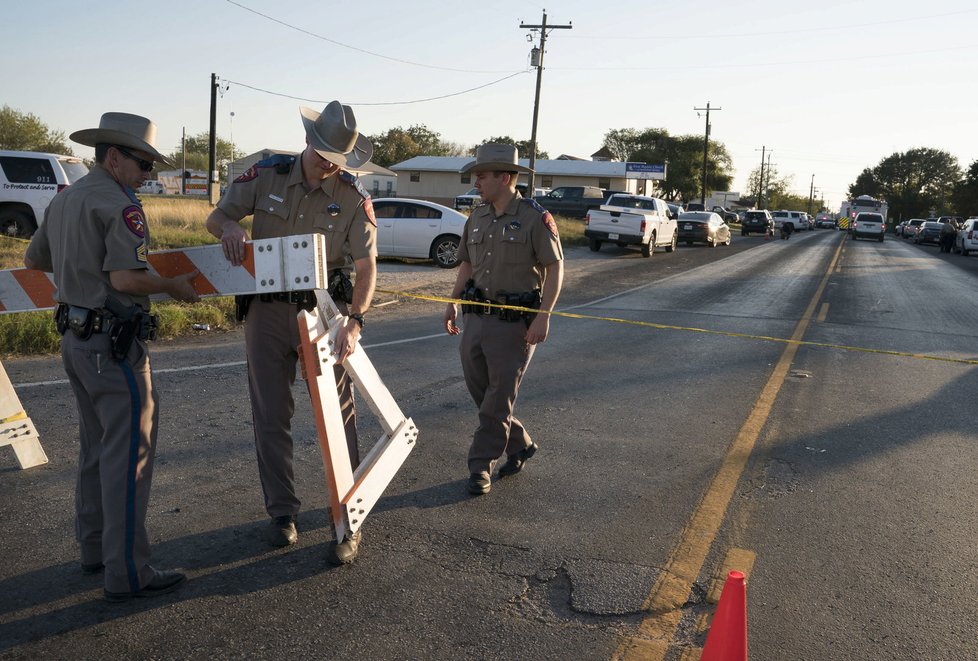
{"x": 832, "y": 87}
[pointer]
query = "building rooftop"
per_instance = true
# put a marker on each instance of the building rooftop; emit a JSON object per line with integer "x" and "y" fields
{"x": 548, "y": 167}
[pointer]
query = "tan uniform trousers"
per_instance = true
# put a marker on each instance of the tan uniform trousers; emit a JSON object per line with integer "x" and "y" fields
{"x": 495, "y": 356}
{"x": 271, "y": 342}
{"x": 118, "y": 411}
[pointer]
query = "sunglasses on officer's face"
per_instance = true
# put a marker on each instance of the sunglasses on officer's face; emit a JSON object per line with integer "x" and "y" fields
{"x": 145, "y": 166}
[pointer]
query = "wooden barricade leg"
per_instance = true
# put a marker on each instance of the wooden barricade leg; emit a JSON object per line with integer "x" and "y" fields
{"x": 353, "y": 493}
{"x": 16, "y": 429}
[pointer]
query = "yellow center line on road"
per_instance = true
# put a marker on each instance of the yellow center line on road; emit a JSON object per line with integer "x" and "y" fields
{"x": 672, "y": 589}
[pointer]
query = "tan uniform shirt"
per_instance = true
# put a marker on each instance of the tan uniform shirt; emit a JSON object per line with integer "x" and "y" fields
{"x": 91, "y": 228}
{"x": 509, "y": 252}
{"x": 339, "y": 208}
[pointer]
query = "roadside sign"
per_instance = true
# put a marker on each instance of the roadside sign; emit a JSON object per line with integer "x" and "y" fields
{"x": 645, "y": 171}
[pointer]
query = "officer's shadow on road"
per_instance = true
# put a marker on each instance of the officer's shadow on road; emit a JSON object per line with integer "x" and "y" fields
{"x": 443, "y": 494}
{"x": 228, "y": 549}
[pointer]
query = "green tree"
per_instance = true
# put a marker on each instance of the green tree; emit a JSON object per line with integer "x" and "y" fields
{"x": 773, "y": 190}
{"x": 399, "y": 144}
{"x": 26, "y": 132}
{"x": 522, "y": 146}
{"x": 966, "y": 193}
{"x": 913, "y": 182}
{"x": 198, "y": 154}
{"x": 684, "y": 155}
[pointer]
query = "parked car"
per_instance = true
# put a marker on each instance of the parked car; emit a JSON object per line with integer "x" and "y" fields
{"x": 703, "y": 227}
{"x": 757, "y": 221}
{"x": 632, "y": 220}
{"x": 536, "y": 191}
{"x": 868, "y": 225}
{"x": 796, "y": 218}
{"x": 152, "y": 187}
{"x": 695, "y": 206}
{"x": 966, "y": 241}
{"x": 825, "y": 221}
{"x": 911, "y": 227}
{"x": 468, "y": 200}
{"x": 418, "y": 229}
{"x": 572, "y": 200}
{"x": 28, "y": 181}
{"x": 675, "y": 209}
{"x": 727, "y": 215}
{"x": 928, "y": 232}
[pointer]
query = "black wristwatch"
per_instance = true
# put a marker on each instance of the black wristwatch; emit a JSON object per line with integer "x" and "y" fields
{"x": 357, "y": 317}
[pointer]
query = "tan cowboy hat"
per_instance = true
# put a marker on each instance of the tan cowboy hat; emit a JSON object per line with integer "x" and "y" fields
{"x": 495, "y": 156}
{"x": 333, "y": 134}
{"x": 125, "y": 130}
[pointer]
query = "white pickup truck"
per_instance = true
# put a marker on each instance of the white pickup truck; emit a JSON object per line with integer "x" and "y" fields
{"x": 632, "y": 220}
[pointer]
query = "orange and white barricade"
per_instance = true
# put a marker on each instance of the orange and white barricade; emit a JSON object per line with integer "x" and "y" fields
{"x": 292, "y": 263}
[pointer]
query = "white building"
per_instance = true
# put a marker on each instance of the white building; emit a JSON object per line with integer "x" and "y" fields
{"x": 437, "y": 178}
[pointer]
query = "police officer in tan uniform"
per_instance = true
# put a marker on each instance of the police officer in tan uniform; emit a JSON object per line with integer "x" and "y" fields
{"x": 94, "y": 240}
{"x": 510, "y": 253}
{"x": 301, "y": 195}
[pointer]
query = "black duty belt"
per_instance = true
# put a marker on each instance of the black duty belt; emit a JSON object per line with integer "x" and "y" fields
{"x": 306, "y": 298}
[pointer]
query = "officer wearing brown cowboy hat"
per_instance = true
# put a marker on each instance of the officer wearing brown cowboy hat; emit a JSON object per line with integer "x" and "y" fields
{"x": 94, "y": 240}
{"x": 510, "y": 253}
{"x": 299, "y": 195}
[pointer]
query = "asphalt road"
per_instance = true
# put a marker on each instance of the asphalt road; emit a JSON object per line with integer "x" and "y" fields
{"x": 841, "y": 480}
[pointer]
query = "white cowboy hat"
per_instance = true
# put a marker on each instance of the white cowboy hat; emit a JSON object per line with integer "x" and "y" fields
{"x": 333, "y": 134}
{"x": 124, "y": 130}
{"x": 496, "y": 156}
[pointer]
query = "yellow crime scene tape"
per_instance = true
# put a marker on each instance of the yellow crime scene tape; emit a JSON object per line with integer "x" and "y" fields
{"x": 691, "y": 329}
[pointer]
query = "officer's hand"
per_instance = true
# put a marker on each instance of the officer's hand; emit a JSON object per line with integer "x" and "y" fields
{"x": 451, "y": 314}
{"x": 346, "y": 339}
{"x": 233, "y": 241}
{"x": 538, "y": 330}
{"x": 183, "y": 289}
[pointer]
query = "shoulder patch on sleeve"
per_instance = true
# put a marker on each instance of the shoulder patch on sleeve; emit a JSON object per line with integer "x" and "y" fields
{"x": 281, "y": 162}
{"x": 248, "y": 175}
{"x": 135, "y": 220}
{"x": 368, "y": 206}
{"x": 545, "y": 216}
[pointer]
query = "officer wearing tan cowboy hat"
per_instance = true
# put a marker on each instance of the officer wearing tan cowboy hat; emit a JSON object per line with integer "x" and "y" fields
{"x": 510, "y": 253}
{"x": 288, "y": 195}
{"x": 94, "y": 239}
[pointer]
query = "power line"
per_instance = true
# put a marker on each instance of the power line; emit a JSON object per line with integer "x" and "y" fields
{"x": 361, "y": 50}
{"x": 378, "y": 103}
{"x": 833, "y": 28}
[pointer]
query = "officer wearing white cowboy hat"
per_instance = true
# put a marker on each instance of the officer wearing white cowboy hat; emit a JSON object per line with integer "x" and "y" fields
{"x": 510, "y": 253}
{"x": 299, "y": 195}
{"x": 94, "y": 239}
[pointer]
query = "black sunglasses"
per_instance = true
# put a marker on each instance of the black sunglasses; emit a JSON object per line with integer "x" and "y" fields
{"x": 145, "y": 166}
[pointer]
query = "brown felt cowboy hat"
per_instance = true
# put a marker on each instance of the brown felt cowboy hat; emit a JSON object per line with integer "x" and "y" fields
{"x": 333, "y": 134}
{"x": 496, "y": 157}
{"x": 124, "y": 130}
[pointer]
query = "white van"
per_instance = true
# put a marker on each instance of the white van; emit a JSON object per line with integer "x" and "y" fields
{"x": 28, "y": 181}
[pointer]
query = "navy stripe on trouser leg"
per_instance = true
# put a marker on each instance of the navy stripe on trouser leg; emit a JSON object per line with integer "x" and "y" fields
{"x": 135, "y": 408}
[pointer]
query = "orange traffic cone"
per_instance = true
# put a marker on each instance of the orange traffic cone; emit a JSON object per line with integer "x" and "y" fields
{"x": 727, "y": 640}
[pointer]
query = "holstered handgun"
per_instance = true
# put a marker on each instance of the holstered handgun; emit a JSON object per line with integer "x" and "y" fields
{"x": 473, "y": 293}
{"x": 127, "y": 325}
{"x": 340, "y": 287}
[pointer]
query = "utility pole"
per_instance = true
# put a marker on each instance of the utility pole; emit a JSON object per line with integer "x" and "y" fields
{"x": 213, "y": 187}
{"x": 706, "y": 146}
{"x": 183, "y": 163}
{"x": 767, "y": 185}
{"x": 811, "y": 195}
{"x": 760, "y": 180}
{"x": 537, "y": 61}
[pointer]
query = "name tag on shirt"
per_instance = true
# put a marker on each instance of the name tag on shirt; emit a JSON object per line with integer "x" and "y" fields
{"x": 276, "y": 198}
